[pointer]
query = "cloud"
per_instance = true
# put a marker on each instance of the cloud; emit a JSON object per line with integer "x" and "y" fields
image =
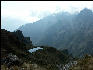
{"x": 31, "y": 11}
{"x": 37, "y": 9}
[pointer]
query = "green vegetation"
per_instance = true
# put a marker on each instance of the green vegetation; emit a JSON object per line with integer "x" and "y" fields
{"x": 86, "y": 63}
{"x": 15, "y": 50}
{"x": 49, "y": 57}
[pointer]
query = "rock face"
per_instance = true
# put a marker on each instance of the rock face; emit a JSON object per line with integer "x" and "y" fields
{"x": 20, "y": 36}
{"x": 4, "y": 37}
{"x": 15, "y": 43}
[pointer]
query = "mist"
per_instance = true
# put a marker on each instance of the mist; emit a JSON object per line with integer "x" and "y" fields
{"x": 24, "y": 12}
{"x": 46, "y": 35}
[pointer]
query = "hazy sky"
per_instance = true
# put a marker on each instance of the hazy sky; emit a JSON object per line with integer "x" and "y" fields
{"x": 16, "y": 13}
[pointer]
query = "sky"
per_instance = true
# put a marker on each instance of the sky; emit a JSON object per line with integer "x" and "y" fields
{"x": 18, "y": 13}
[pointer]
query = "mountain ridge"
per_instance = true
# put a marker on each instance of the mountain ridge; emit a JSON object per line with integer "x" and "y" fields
{"x": 73, "y": 32}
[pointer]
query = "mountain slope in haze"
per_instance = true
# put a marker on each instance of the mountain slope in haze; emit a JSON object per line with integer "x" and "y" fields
{"x": 37, "y": 29}
{"x": 73, "y": 32}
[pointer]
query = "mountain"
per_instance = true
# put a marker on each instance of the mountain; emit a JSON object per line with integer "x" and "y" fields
{"x": 37, "y": 30}
{"x": 64, "y": 31}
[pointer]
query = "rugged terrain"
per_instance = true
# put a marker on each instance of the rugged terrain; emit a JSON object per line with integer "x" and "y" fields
{"x": 15, "y": 54}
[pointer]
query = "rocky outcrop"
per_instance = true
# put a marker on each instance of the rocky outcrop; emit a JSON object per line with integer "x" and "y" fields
{"x": 20, "y": 36}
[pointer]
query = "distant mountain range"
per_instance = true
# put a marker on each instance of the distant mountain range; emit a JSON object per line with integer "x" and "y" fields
{"x": 63, "y": 31}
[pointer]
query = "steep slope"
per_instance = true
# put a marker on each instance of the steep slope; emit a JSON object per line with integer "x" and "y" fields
{"x": 73, "y": 32}
{"x": 75, "y": 35}
{"x": 37, "y": 29}
{"x": 83, "y": 40}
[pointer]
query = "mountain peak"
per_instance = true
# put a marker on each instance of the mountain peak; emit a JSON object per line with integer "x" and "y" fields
{"x": 86, "y": 11}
